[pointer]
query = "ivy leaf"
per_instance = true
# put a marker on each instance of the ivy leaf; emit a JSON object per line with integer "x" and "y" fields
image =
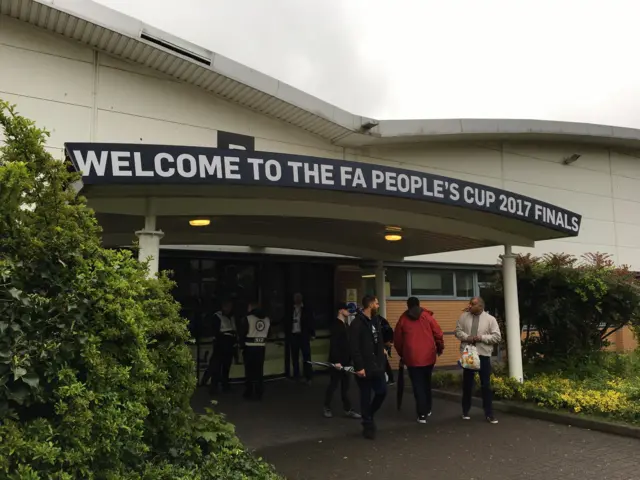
{"x": 31, "y": 379}
{"x": 3, "y": 326}
{"x": 19, "y": 394}
{"x": 19, "y": 372}
{"x": 15, "y": 293}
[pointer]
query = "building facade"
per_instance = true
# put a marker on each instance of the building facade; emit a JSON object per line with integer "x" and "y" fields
{"x": 91, "y": 75}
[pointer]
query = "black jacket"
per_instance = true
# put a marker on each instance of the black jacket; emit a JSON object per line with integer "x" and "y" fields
{"x": 306, "y": 322}
{"x": 339, "y": 343}
{"x": 387, "y": 329}
{"x": 366, "y": 345}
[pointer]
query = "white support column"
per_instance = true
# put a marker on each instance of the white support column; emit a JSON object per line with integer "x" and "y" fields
{"x": 512, "y": 313}
{"x": 380, "y": 289}
{"x": 149, "y": 241}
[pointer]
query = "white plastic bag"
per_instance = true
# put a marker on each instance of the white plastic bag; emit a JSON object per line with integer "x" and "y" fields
{"x": 470, "y": 358}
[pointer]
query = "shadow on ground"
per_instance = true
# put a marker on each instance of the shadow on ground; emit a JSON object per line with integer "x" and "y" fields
{"x": 287, "y": 429}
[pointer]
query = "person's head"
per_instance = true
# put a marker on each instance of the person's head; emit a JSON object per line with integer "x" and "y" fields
{"x": 343, "y": 309}
{"x": 297, "y": 299}
{"x": 413, "y": 302}
{"x": 253, "y": 305}
{"x": 476, "y": 305}
{"x": 227, "y": 307}
{"x": 370, "y": 305}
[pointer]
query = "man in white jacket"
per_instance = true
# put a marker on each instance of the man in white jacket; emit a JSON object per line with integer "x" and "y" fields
{"x": 477, "y": 327}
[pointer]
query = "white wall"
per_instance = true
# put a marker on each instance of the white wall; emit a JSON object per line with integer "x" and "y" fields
{"x": 602, "y": 185}
{"x": 52, "y": 80}
{"x": 81, "y": 96}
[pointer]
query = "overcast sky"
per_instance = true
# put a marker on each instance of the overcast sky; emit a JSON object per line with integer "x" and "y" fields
{"x": 558, "y": 59}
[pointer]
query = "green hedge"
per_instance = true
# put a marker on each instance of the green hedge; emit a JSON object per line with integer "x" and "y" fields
{"x": 95, "y": 376}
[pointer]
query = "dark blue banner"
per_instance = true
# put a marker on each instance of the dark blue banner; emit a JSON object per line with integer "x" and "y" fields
{"x": 135, "y": 164}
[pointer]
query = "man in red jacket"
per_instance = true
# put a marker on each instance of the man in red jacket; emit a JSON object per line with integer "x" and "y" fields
{"x": 419, "y": 340}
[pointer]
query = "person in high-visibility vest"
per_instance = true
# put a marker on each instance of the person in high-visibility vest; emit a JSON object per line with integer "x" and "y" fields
{"x": 223, "y": 347}
{"x": 253, "y": 332}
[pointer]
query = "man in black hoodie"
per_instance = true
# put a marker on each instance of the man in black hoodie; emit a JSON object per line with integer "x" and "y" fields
{"x": 253, "y": 332}
{"x": 367, "y": 354}
{"x": 340, "y": 356}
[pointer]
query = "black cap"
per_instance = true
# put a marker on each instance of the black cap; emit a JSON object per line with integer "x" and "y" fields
{"x": 343, "y": 306}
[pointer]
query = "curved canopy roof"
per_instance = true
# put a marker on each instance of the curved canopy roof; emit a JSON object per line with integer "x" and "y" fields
{"x": 308, "y": 203}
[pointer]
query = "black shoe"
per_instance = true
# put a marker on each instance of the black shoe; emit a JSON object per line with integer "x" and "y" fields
{"x": 491, "y": 419}
{"x": 369, "y": 432}
{"x": 422, "y": 419}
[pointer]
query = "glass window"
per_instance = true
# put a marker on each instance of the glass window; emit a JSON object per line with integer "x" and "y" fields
{"x": 397, "y": 279}
{"x": 464, "y": 284}
{"x": 369, "y": 284}
{"x": 432, "y": 283}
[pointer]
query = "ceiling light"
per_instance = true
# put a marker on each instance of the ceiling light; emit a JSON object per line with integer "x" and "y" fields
{"x": 393, "y": 234}
{"x": 199, "y": 222}
{"x": 373, "y": 275}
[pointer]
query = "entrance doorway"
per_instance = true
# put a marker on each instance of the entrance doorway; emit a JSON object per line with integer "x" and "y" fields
{"x": 204, "y": 280}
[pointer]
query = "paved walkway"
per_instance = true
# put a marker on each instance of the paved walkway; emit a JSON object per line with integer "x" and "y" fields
{"x": 288, "y": 430}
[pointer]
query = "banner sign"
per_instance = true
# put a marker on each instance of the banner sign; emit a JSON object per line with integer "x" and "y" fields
{"x": 136, "y": 164}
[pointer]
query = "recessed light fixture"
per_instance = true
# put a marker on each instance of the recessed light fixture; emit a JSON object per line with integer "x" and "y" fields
{"x": 393, "y": 234}
{"x": 371, "y": 275}
{"x": 199, "y": 222}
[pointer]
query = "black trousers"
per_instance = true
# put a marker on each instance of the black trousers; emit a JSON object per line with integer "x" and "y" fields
{"x": 389, "y": 372}
{"x": 421, "y": 382}
{"x": 221, "y": 360}
{"x": 371, "y": 386}
{"x": 254, "y": 371}
{"x": 338, "y": 378}
{"x": 301, "y": 344}
{"x": 468, "y": 384}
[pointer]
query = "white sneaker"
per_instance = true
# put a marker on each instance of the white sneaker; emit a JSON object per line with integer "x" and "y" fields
{"x": 353, "y": 414}
{"x": 465, "y": 416}
{"x": 422, "y": 419}
{"x": 328, "y": 413}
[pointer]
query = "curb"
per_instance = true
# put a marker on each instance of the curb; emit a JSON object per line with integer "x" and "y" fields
{"x": 569, "y": 419}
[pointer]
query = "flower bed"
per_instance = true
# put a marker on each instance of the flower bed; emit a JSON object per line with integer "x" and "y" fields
{"x": 604, "y": 395}
{"x": 616, "y": 399}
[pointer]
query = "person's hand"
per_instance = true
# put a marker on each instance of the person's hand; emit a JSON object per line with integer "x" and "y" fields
{"x": 386, "y": 354}
{"x": 361, "y": 373}
{"x": 338, "y": 366}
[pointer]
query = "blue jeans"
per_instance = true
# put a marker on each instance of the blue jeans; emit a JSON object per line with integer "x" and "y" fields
{"x": 468, "y": 384}
{"x": 369, "y": 386}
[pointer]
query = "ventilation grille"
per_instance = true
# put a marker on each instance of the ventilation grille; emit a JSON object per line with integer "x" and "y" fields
{"x": 175, "y": 49}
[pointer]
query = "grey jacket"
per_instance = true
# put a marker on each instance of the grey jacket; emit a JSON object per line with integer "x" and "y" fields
{"x": 488, "y": 330}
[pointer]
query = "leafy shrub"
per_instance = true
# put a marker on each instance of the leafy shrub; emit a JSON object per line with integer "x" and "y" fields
{"x": 569, "y": 308}
{"x": 615, "y": 398}
{"x": 95, "y": 376}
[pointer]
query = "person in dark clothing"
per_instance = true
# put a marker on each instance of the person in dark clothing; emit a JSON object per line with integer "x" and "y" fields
{"x": 367, "y": 354}
{"x": 340, "y": 356}
{"x": 224, "y": 332}
{"x": 299, "y": 331}
{"x": 387, "y": 338}
{"x": 253, "y": 332}
{"x": 419, "y": 341}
